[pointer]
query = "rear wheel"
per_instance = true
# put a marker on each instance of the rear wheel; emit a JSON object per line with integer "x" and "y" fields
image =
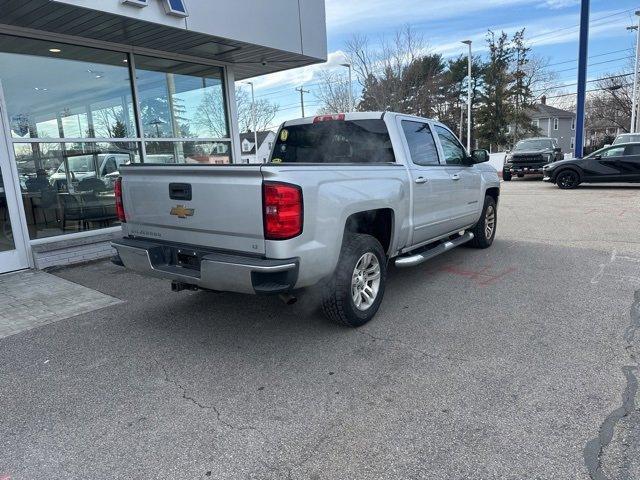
{"x": 354, "y": 293}
{"x": 485, "y": 230}
{"x": 567, "y": 179}
{"x": 506, "y": 176}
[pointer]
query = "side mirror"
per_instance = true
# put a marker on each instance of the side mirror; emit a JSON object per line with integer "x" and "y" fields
{"x": 557, "y": 150}
{"x": 480, "y": 156}
{"x": 598, "y": 157}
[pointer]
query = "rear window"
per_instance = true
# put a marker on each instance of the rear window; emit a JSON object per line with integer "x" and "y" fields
{"x": 336, "y": 141}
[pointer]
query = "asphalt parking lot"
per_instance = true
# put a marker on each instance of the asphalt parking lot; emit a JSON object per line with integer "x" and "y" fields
{"x": 520, "y": 361}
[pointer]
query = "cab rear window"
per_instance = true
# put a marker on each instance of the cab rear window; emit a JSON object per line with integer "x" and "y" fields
{"x": 339, "y": 141}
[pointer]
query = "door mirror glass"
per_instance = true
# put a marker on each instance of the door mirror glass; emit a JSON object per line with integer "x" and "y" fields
{"x": 480, "y": 156}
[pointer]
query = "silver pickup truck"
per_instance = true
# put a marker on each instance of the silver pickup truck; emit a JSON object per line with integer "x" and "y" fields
{"x": 341, "y": 197}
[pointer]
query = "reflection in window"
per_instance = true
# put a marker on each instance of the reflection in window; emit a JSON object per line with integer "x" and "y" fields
{"x": 68, "y": 187}
{"x": 76, "y": 92}
{"x": 211, "y": 153}
{"x": 180, "y": 100}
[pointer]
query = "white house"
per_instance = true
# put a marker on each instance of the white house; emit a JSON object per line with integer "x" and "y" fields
{"x": 265, "y": 144}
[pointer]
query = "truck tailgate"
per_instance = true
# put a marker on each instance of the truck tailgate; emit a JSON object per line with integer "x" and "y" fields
{"x": 218, "y": 207}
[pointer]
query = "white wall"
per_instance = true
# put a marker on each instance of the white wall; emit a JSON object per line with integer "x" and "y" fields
{"x": 286, "y": 25}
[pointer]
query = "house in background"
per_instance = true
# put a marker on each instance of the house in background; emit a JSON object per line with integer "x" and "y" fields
{"x": 555, "y": 123}
{"x": 247, "y": 146}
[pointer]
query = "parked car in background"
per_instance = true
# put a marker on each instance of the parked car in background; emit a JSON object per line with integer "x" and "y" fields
{"x": 341, "y": 196}
{"x": 82, "y": 167}
{"x": 617, "y": 163}
{"x": 529, "y": 156}
{"x": 626, "y": 138}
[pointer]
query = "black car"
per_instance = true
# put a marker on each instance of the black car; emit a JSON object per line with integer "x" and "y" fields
{"x": 617, "y": 163}
{"x": 529, "y": 156}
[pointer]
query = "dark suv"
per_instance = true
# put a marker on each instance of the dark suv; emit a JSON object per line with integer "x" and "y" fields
{"x": 529, "y": 156}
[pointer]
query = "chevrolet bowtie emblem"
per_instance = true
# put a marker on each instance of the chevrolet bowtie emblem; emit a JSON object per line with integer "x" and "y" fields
{"x": 181, "y": 211}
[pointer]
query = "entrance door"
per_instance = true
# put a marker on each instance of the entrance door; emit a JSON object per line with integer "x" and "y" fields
{"x": 13, "y": 251}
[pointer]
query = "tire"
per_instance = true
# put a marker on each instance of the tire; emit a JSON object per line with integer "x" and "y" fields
{"x": 506, "y": 176}
{"x": 483, "y": 236}
{"x": 359, "y": 254}
{"x": 567, "y": 179}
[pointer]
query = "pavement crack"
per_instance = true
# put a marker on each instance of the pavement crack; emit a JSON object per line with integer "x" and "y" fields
{"x": 213, "y": 408}
{"x": 400, "y": 345}
{"x": 594, "y": 450}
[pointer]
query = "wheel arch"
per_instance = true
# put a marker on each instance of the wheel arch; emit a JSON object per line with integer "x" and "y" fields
{"x": 379, "y": 223}
{"x": 564, "y": 168}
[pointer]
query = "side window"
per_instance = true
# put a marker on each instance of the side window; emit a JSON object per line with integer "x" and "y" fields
{"x": 454, "y": 153}
{"x": 613, "y": 152}
{"x": 421, "y": 143}
{"x": 632, "y": 150}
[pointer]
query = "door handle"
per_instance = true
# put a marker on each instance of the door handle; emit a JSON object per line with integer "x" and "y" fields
{"x": 422, "y": 180}
{"x": 455, "y": 177}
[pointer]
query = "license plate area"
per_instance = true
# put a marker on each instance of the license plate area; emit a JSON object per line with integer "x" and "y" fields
{"x": 187, "y": 259}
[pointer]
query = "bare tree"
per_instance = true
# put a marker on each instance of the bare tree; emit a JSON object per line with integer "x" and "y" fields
{"x": 334, "y": 93}
{"x": 611, "y": 104}
{"x": 266, "y": 111}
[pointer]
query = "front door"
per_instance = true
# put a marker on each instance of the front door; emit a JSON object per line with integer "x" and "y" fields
{"x": 431, "y": 185}
{"x": 13, "y": 251}
{"x": 467, "y": 198}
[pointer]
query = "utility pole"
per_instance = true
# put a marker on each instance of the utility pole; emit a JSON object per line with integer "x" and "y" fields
{"x": 469, "y": 89}
{"x": 254, "y": 120}
{"x": 302, "y": 92}
{"x": 634, "y": 107}
{"x": 351, "y": 105}
{"x": 582, "y": 77}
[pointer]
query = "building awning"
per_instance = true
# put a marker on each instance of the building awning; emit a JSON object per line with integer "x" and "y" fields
{"x": 249, "y": 59}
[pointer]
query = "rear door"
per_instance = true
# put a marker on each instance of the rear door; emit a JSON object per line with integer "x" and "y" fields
{"x": 604, "y": 165}
{"x": 466, "y": 181}
{"x": 431, "y": 183}
{"x": 217, "y": 207}
{"x": 629, "y": 164}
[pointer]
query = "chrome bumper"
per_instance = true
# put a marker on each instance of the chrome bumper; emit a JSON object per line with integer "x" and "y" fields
{"x": 211, "y": 271}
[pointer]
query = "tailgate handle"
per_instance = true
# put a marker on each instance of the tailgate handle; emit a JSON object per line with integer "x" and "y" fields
{"x": 180, "y": 191}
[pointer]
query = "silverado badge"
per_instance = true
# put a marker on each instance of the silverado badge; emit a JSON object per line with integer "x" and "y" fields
{"x": 181, "y": 211}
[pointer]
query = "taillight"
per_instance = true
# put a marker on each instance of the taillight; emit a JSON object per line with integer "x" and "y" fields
{"x": 282, "y": 210}
{"x": 117, "y": 190}
{"x": 329, "y": 118}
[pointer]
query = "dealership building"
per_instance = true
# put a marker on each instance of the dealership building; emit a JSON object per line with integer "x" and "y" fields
{"x": 89, "y": 85}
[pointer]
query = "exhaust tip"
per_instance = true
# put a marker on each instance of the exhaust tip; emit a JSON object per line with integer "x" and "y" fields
{"x": 288, "y": 299}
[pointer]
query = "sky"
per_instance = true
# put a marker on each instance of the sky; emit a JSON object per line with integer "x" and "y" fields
{"x": 551, "y": 28}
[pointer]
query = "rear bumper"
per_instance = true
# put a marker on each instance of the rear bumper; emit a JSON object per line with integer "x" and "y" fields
{"x": 208, "y": 270}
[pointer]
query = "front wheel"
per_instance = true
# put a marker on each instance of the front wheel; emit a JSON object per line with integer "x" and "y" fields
{"x": 485, "y": 230}
{"x": 567, "y": 179}
{"x": 353, "y": 294}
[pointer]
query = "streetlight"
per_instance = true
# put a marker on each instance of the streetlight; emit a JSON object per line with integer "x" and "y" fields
{"x": 351, "y": 105}
{"x": 254, "y": 120}
{"x": 634, "y": 106}
{"x": 468, "y": 42}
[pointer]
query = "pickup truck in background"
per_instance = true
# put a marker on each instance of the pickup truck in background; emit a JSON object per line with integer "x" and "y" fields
{"x": 342, "y": 196}
{"x": 529, "y": 156}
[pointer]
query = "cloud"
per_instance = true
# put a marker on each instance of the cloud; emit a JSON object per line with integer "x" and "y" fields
{"x": 558, "y": 4}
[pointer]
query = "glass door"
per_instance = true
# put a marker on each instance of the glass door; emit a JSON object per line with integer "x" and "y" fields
{"x": 13, "y": 251}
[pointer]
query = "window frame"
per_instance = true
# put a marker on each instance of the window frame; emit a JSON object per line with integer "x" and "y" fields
{"x": 556, "y": 124}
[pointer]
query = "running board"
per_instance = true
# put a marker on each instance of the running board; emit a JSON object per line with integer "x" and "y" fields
{"x": 418, "y": 258}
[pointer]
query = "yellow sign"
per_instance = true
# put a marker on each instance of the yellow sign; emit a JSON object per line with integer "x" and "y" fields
{"x": 284, "y": 134}
{"x": 181, "y": 211}
{"x": 276, "y": 160}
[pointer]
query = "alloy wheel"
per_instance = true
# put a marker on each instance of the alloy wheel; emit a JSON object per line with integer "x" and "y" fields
{"x": 365, "y": 281}
{"x": 489, "y": 222}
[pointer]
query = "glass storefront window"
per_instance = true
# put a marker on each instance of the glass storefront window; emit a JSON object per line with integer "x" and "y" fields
{"x": 68, "y": 187}
{"x": 180, "y": 100}
{"x": 75, "y": 92}
{"x": 212, "y": 153}
{"x": 73, "y": 124}
{"x": 6, "y": 234}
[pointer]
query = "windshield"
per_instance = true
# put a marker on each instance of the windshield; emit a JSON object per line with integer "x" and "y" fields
{"x": 78, "y": 164}
{"x": 334, "y": 141}
{"x": 626, "y": 139}
{"x": 533, "y": 145}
